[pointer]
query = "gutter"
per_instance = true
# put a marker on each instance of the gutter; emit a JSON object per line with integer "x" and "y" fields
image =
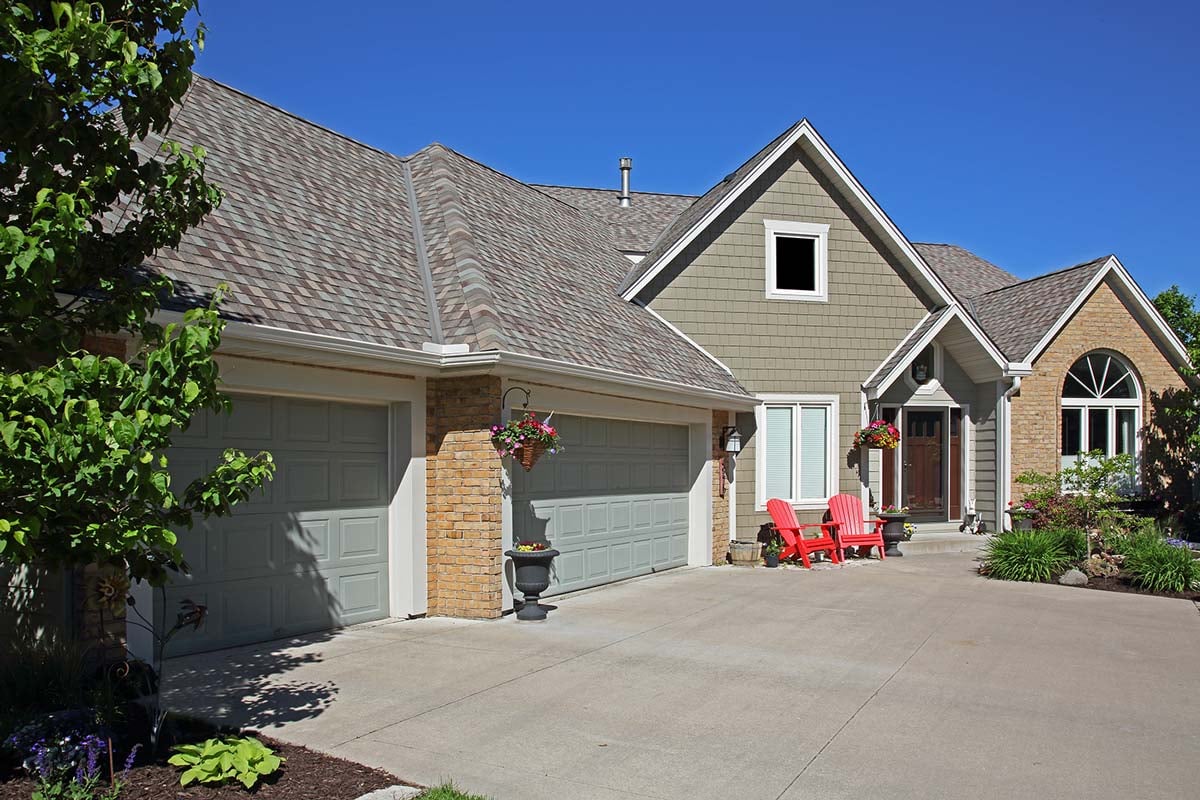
{"x": 451, "y": 358}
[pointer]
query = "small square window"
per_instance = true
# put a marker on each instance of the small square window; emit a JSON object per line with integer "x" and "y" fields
{"x": 795, "y": 263}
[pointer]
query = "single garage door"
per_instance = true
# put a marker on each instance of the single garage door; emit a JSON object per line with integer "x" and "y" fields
{"x": 614, "y": 502}
{"x": 308, "y": 554}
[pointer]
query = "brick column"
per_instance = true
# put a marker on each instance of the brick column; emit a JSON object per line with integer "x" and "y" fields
{"x": 462, "y": 483}
{"x": 720, "y": 505}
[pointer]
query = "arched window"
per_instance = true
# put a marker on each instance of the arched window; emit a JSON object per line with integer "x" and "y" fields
{"x": 1101, "y": 408}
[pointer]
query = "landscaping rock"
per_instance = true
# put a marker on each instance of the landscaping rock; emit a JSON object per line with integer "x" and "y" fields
{"x": 1101, "y": 567}
{"x": 1073, "y": 577}
{"x": 393, "y": 793}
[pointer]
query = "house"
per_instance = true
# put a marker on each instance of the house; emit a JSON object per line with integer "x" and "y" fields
{"x": 385, "y": 311}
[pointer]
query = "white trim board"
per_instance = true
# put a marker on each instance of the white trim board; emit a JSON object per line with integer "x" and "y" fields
{"x": 1007, "y": 367}
{"x": 833, "y": 450}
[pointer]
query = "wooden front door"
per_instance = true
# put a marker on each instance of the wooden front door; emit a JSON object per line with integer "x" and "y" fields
{"x": 923, "y": 441}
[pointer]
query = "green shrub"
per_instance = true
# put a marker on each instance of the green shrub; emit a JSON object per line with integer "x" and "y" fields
{"x": 1072, "y": 541}
{"x": 1130, "y": 543}
{"x": 1160, "y": 567}
{"x": 1036, "y": 555}
{"x": 220, "y": 760}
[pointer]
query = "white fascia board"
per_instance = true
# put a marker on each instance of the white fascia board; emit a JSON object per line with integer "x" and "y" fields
{"x": 684, "y": 336}
{"x": 913, "y": 352}
{"x": 478, "y": 362}
{"x": 1144, "y": 304}
{"x": 898, "y": 347}
{"x": 804, "y": 130}
{"x": 708, "y": 397}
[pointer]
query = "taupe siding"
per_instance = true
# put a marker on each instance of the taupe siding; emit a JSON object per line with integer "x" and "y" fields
{"x": 984, "y": 452}
{"x": 716, "y": 293}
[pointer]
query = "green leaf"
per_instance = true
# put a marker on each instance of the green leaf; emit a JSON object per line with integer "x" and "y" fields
{"x": 190, "y": 391}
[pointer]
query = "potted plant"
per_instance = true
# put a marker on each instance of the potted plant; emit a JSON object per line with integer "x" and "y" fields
{"x": 771, "y": 551}
{"x": 526, "y": 439}
{"x": 894, "y": 523}
{"x": 880, "y": 434}
{"x": 1022, "y": 515}
{"x": 532, "y": 561}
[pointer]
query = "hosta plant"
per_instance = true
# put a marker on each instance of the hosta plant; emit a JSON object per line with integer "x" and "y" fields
{"x": 244, "y": 759}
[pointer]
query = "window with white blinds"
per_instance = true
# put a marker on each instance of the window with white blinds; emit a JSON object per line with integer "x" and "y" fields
{"x": 797, "y": 450}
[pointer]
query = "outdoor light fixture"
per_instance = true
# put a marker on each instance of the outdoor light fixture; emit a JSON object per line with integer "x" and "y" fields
{"x": 731, "y": 440}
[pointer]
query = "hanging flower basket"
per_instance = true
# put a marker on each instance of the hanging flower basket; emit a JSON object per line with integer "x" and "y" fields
{"x": 880, "y": 434}
{"x": 526, "y": 439}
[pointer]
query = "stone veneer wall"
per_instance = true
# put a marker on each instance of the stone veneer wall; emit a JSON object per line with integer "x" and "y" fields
{"x": 462, "y": 482}
{"x": 1102, "y": 323}
{"x": 720, "y": 505}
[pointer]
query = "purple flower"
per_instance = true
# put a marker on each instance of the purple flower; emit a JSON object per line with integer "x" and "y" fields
{"x": 129, "y": 759}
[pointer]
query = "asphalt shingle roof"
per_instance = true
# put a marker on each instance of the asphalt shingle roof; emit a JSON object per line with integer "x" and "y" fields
{"x": 632, "y": 229}
{"x": 1016, "y": 317}
{"x": 964, "y": 273}
{"x": 316, "y": 234}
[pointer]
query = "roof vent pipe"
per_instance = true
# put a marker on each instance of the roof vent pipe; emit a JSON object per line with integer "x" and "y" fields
{"x": 626, "y": 166}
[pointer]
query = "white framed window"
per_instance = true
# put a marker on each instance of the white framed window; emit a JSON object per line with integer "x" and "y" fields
{"x": 1101, "y": 409}
{"x": 796, "y": 451}
{"x": 797, "y": 260}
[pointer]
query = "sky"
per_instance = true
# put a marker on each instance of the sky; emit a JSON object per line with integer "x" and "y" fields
{"x": 1037, "y": 135}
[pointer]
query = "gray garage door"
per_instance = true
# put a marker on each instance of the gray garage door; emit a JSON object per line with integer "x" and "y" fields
{"x": 614, "y": 502}
{"x": 308, "y": 554}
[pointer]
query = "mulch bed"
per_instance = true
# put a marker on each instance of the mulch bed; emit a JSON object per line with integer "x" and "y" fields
{"x": 1124, "y": 583}
{"x": 306, "y": 775}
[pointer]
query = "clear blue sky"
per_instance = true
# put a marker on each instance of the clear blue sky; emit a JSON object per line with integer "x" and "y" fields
{"x": 1038, "y": 135}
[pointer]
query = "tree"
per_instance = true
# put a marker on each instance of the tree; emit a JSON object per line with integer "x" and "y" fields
{"x": 83, "y": 438}
{"x": 1179, "y": 310}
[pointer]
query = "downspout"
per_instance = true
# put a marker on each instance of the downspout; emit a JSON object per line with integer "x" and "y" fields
{"x": 1005, "y": 471}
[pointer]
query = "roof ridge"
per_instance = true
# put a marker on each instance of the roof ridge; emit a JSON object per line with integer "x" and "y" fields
{"x": 299, "y": 118}
{"x": 472, "y": 277}
{"x": 614, "y": 191}
{"x": 1051, "y": 274}
{"x": 504, "y": 175}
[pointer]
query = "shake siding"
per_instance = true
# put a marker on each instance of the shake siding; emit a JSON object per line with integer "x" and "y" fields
{"x": 716, "y": 293}
{"x": 984, "y": 410}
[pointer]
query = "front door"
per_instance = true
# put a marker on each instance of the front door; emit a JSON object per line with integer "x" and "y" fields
{"x": 924, "y": 471}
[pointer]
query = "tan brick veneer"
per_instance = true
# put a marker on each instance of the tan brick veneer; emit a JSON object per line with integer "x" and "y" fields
{"x": 1102, "y": 323}
{"x": 720, "y": 505}
{"x": 462, "y": 484}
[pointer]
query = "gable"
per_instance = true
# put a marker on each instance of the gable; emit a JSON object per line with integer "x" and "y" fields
{"x": 1107, "y": 321}
{"x": 715, "y": 291}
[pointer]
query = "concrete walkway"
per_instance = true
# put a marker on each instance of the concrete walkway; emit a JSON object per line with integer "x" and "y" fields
{"x": 912, "y": 678}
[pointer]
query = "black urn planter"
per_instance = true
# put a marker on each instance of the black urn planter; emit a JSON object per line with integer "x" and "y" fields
{"x": 893, "y": 534}
{"x": 1020, "y": 522}
{"x": 771, "y": 559}
{"x": 532, "y": 578}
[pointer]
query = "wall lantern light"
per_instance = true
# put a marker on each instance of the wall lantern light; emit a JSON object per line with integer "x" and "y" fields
{"x": 731, "y": 440}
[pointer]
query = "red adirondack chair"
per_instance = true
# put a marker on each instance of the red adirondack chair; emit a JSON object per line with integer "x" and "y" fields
{"x": 846, "y": 511}
{"x": 795, "y": 543}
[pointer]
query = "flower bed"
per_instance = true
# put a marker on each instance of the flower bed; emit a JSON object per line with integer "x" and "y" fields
{"x": 305, "y": 774}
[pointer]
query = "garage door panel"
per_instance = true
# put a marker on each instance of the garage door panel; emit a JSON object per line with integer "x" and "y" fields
{"x": 362, "y": 480}
{"x": 612, "y": 502}
{"x": 252, "y": 421}
{"x": 307, "y": 421}
{"x": 310, "y": 553}
{"x": 361, "y": 539}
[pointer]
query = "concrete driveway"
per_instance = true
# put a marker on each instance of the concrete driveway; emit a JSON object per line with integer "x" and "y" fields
{"x": 912, "y": 678}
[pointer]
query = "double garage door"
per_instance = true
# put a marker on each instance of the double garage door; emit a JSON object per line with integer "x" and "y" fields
{"x": 309, "y": 553}
{"x": 614, "y": 502}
